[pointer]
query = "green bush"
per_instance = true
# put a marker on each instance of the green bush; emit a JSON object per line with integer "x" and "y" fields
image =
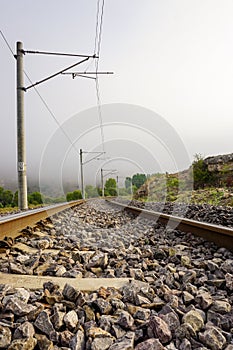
{"x": 72, "y": 196}
{"x": 35, "y": 198}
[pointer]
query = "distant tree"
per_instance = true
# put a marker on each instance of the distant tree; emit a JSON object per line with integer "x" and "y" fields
{"x": 91, "y": 191}
{"x": 123, "y": 192}
{"x": 128, "y": 182}
{"x": 138, "y": 180}
{"x": 35, "y": 198}
{"x": 72, "y": 196}
{"x": 1, "y": 195}
{"x": 7, "y": 197}
{"x": 110, "y": 188}
{"x": 77, "y": 194}
{"x": 69, "y": 196}
{"x": 15, "y": 199}
{"x": 201, "y": 175}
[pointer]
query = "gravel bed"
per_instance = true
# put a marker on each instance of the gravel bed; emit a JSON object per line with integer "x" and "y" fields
{"x": 218, "y": 215}
{"x": 180, "y": 297}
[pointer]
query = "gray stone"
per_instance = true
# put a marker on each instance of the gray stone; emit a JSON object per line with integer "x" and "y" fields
{"x": 101, "y": 343}
{"x": 103, "y": 306}
{"x": 5, "y": 337}
{"x": 204, "y": 299}
{"x": 158, "y": 328}
{"x": 185, "y": 345}
{"x": 78, "y": 341}
{"x": 43, "y": 323}
{"x": 19, "y": 307}
{"x": 229, "y": 281}
{"x": 43, "y": 342}
{"x": 185, "y": 331}
{"x": 124, "y": 343}
{"x": 65, "y": 338}
{"x": 60, "y": 271}
{"x": 227, "y": 266}
{"x": 57, "y": 319}
{"x": 213, "y": 338}
{"x": 23, "y": 344}
{"x": 98, "y": 260}
{"x": 150, "y": 344}
{"x": 70, "y": 293}
{"x": 188, "y": 298}
{"x": 221, "y": 306}
{"x": 194, "y": 318}
{"x": 125, "y": 320}
{"x": 172, "y": 320}
{"x": 25, "y": 330}
{"x": 16, "y": 268}
{"x": 142, "y": 314}
{"x": 189, "y": 276}
{"x": 118, "y": 332}
{"x": 89, "y": 313}
{"x": 71, "y": 319}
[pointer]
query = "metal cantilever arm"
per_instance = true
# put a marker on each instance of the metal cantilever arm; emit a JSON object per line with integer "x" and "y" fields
{"x": 55, "y": 74}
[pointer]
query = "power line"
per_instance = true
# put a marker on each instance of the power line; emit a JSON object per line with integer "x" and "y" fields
{"x": 4, "y": 38}
{"x": 97, "y": 25}
{"x": 99, "y": 28}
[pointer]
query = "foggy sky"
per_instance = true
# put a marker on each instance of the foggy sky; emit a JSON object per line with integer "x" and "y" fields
{"x": 171, "y": 57}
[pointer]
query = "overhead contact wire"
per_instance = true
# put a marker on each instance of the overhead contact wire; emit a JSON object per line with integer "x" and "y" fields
{"x": 98, "y": 37}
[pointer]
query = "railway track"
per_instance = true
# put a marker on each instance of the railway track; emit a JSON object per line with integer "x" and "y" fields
{"x": 116, "y": 278}
{"x": 11, "y": 225}
{"x": 220, "y": 235}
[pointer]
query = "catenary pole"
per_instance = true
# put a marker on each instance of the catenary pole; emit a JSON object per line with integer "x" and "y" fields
{"x": 21, "y": 147}
{"x": 102, "y": 182}
{"x": 81, "y": 170}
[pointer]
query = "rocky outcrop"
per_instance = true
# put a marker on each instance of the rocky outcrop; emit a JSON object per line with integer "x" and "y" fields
{"x": 220, "y": 163}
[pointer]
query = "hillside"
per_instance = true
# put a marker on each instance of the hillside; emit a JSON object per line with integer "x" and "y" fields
{"x": 208, "y": 180}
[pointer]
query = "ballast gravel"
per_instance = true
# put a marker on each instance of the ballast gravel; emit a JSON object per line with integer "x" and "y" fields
{"x": 180, "y": 295}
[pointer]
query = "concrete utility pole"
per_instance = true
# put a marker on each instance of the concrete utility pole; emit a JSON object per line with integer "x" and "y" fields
{"x": 102, "y": 181}
{"x": 21, "y": 148}
{"x": 81, "y": 170}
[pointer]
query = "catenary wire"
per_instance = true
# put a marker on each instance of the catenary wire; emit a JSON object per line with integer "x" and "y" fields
{"x": 98, "y": 37}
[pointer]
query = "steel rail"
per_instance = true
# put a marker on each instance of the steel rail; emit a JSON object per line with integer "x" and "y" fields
{"x": 11, "y": 225}
{"x": 222, "y": 236}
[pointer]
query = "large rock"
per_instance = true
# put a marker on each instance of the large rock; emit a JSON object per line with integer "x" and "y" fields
{"x": 158, "y": 328}
{"x": 23, "y": 344}
{"x": 19, "y": 307}
{"x": 195, "y": 320}
{"x": 103, "y": 306}
{"x": 221, "y": 306}
{"x": 213, "y": 338}
{"x": 70, "y": 293}
{"x": 43, "y": 323}
{"x": 71, "y": 319}
{"x": 78, "y": 341}
{"x": 125, "y": 320}
{"x": 204, "y": 299}
{"x": 150, "y": 344}
{"x": 43, "y": 342}
{"x": 25, "y": 330}
{"x": 101, "y": 343}
{"x": 124, "y": 343}
{"x": 229, "y": 281}
{"x": 5, "y": 337}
